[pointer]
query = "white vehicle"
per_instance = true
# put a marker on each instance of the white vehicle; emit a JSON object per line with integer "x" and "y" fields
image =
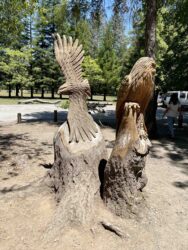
{"x": 182, "y": 96}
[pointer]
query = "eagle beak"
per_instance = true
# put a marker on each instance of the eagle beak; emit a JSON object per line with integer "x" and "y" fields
{"x": 64, "y": 89}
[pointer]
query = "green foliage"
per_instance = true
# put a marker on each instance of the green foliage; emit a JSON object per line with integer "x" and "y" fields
{"x": 173, "y": 46}
{"x": 14, "y": 67}
{"x": 12, "y": 15}
{"x": 64, "y": 104}
{"x": 26, "y": 42}
{"x": 93, "y": 73}
{"x": 109, "y": 61}
{"x": 44, "y": 67}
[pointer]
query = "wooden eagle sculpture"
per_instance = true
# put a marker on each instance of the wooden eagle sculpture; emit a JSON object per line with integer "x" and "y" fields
{"x": 137, "y": 87}
{"x": 69, "y": 55}
{"x": 124, "y": 175}
{"x": 79, "y": 146}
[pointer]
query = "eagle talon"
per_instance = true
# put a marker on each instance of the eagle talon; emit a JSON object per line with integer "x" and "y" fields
{"x": 131, "y": 108}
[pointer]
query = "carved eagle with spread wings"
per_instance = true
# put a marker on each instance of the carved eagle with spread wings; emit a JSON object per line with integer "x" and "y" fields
{"x": 137, "y": 87}
{"x": 69, "y": 55}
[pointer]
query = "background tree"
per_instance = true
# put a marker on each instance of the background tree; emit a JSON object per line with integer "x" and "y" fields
{"x": 30, "y": 24}
{"x": 14, "y": 69}
{"x": 150, "y": 51}
{"x": 93, "y": 73}
{"x": 109, "y": 62}
{"x": 45, "y": 69}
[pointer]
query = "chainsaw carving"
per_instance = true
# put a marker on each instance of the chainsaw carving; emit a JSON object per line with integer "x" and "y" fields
{"x": 124, "y": 175}
{"x": 79, "y": 145}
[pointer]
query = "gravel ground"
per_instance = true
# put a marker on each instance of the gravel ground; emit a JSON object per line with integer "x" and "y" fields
{"x": 27, "y": 206}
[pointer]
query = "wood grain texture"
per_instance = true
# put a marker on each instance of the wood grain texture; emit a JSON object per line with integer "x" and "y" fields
{"x": 124, "y": 176}
{"x": 69, "y": 55}
{"x": 79, "y": 146}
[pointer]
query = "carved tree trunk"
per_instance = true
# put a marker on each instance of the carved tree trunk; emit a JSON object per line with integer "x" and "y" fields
{"x": 75, "y": 176}
{"x": 125, "y": 174}
{"x": 79, "y": 146}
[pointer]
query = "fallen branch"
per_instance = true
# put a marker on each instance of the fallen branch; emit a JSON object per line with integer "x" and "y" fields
{"x": 113, "y": 229}
{"x": 33, "y": 101}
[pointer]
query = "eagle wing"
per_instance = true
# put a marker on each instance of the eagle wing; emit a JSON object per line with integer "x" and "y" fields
{"x": 69, "y": 55}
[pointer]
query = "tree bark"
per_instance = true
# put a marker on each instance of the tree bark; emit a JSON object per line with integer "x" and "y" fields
{"x": 150, "y": 31}
{"x": 42, "y": 93}
{"x": 52, "y": 93}
{"x": 17, "y": 90}
{"x": 124, "y": 175}
{"x": 9, "y": 90}
{"x": 75, "y": 176}
{"x": 31, "y": 92}
{"x": 150, "y": 48}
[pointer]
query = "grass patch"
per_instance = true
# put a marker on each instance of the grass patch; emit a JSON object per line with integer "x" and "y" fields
{"x": 64, "y": 104}
{"x": 9, "y": 101}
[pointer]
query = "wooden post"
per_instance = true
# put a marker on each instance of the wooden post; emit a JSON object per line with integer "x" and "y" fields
{"x": 19, "y": 118}
{"x": 55, "y": 115}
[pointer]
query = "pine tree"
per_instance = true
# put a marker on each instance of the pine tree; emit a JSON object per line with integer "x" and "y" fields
{"x": 109, "y": 62}
{"x": 45, "y": 69}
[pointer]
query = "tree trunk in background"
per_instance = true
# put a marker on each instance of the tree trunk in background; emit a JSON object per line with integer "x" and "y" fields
{"x": 31, "y": 92}
{"x": 17, "y": 90}
{"x": 9, "y": 91}
{"x": 104, "y": 92}
{"x": 52, "y": 91}
{"x": 150, "y": 32}
{"x": 104, "y": 97}
{"x": 21, "y": 92}
{"x": 150, "y": 46}
{"x": 42, "y": 93}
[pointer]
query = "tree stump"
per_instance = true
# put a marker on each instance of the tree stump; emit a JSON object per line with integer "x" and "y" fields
{"x": 75, "y": 175}
{"x": 125, "y": 171}
{"x": 79, "y": 147}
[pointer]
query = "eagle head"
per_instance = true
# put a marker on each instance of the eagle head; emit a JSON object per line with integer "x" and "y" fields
{"x": 144, "y": 68}
{"x": 70, "y": 88}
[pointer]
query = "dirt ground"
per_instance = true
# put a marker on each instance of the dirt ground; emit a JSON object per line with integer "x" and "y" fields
{"x": 27, "y": 206}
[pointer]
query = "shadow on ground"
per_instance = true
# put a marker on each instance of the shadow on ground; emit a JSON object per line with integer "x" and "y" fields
{"x": 16, "y": 188}
{"x": 176, "y": 150}
{"x": 103, "y": 119}
{"x": 44, "y": 116}
{"x": 17, "y": 149}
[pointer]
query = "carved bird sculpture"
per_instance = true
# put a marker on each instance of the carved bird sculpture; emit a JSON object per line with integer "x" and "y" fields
{"x": 69, "y": 55}
{"x": 137, "y": 87}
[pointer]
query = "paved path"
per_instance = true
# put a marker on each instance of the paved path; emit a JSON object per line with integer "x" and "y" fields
{"x": 8, "y": 113}
{"x": 44, "y": 112}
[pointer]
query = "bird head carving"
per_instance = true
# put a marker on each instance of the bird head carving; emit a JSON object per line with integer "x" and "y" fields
{"x": 69, "y": 55}
{"x": 69, "y": 88}
{"x": 143, "y": 71}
